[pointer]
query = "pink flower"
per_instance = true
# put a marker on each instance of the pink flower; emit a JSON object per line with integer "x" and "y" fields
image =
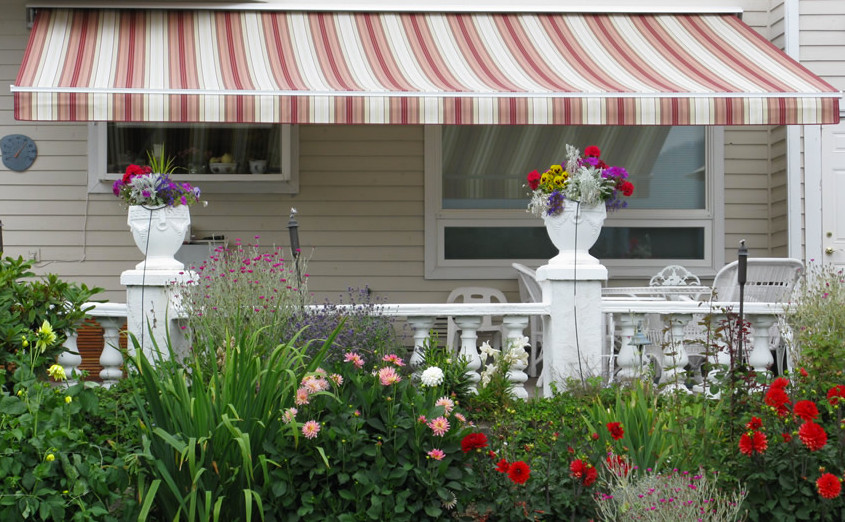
{"x": 310, "y": 429}
{"x": 436, "y": 454}
{"x": 301, "y": 396}
{"x": 388, "y": 376}
{"x": 447, "y": 403}
{"x": 393, "y": 358}
{"x": 439, "y": 426}
{"x": 336, "y": 378}
{"x": 422, "y": 419}
{"x": 289, "y": 415}
{"x": 354, "y": 358}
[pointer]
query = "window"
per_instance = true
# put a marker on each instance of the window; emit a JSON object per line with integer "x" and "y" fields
{"x": 220, "y": 158}
{"x": 476, "y": 223}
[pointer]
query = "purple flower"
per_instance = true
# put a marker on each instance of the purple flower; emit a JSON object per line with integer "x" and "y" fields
{"x": 615, "y": 172}
{"x": 118, "y": 184}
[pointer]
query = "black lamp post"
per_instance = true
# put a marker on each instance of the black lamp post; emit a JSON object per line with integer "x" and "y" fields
{"x": 293, "y": 230}
{"x": 741, "y": 275}
{"x": 1, "y": 237}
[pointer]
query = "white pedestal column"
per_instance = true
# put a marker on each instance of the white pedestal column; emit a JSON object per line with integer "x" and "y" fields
{"x": 572, "y": 336}
{"x": 152, "y": 310}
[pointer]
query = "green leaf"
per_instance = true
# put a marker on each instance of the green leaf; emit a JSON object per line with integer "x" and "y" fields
{"x": 11, "y": 405}
{"x": 433, "y": 511}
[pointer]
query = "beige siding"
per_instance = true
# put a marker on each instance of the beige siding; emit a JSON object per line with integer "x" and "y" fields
{"x": 822, "y": 24}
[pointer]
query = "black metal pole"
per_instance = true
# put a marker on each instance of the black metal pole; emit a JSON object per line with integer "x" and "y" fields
{"x": 741, "y": 276}
{"x": 1, "y": 237}
{"x": 293, "y": 230}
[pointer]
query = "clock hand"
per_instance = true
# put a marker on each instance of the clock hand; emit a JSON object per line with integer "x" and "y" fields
{"x": 19, "y": 151}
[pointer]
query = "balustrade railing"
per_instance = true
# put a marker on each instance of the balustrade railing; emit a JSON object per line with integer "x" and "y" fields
{"x": 622, "y": 318}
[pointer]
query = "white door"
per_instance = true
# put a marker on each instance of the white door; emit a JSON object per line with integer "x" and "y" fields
{"x": 833, "y": 194}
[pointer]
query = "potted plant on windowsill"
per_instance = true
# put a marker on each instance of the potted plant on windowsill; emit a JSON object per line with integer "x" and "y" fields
{"x": 573, "y": 200}
{"x": 159, "y": 214}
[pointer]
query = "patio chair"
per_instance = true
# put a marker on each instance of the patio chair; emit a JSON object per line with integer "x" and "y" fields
{"x": 474, "y": 294}
{"x": 674, "y": 275}
{"x": 530, "y": 292}
{"x": 768, "y": 280}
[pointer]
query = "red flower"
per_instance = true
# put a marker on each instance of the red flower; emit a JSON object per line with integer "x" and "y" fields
{"x": 828, "y": 486}
{"x": 753, "y": 442}
{"x": 836, "y": 393}
{"x": 473, "y": 441}
{"x": 519, "y": 472}
{"x": 592, "y": 152}
{"x": 491, "y": 454}
{"x": 503, "y": 466}
{"x": 577, "y": 468}
{"x": 617, "y": 464}
{"x": 806, "y": 410}
{"x": 780, "y": 382}
{"x": 777, "y": 398}
{"x": 754, "y": 424}
{"x": 592, "y": 475}
{"x": 615, "y": 430}
{"x": 803, "y": 372}
{"x": 812, "y": 435}
{"x": 595, "y": 436}
{"x": 627, "y": 188}
{"x": 533, "y": 179}
{"x": 134, "y": 170}
{"x": 786, "y": 437}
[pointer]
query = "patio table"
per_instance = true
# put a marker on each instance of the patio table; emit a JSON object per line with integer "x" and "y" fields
{"x": 669, "y": 293}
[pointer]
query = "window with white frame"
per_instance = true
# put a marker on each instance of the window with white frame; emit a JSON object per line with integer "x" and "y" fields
{"x": 228, "y": 158}
{"x": 477, "y": 225}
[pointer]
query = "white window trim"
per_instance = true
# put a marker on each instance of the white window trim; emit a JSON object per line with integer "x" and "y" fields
{"x": 712, "y": 218}
{"x": 100, "y": 181}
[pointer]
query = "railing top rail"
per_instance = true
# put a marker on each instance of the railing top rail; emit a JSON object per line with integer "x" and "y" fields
{"x": 107, "y": 309}
{"x": 454, "y": 309}
{"x": 687, "y": 307}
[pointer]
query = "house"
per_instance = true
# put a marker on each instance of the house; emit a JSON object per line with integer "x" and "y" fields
{"x": 389, "y": 198}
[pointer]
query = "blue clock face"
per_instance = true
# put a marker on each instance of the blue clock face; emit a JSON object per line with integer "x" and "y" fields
{"x": 18, "y": 151}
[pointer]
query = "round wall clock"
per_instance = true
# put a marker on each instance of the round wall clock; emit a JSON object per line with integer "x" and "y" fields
{"x": 19, "y": 151}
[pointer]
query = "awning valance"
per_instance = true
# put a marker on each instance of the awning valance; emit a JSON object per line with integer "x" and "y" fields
{"x": 406, "y": 68}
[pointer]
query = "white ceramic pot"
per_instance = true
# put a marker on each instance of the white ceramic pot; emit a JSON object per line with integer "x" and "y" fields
{"x": 574, "y": 231}
{"x": 159, "y": 233}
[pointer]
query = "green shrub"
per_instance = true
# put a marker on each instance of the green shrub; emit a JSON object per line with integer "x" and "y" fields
{"x": 25, "y": 303}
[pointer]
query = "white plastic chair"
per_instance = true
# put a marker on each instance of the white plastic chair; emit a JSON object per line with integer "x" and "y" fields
{"x": 530, "y": 292}
{"x": 768, "y": 280}
{"x": 474, "y": 294}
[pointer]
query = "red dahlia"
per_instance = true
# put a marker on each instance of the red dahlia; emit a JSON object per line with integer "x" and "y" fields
{"x": 503, "y": 466}
{"x": 806, "y": 410}
{"x": 812, "y": 435}
{"x": 836, "y": 393}
{"x": 615, "y": 430}
{"x": 591, "y": 476}
{"x": 754, "y": 442}
{"x": 754, "y": 424}
{"x": 828, "y": 486}
{"x": 577, "y": 468}
{"x": 519, "y": 472}
{"x": 473, "y": 441}
{"x": 777, "y": 398}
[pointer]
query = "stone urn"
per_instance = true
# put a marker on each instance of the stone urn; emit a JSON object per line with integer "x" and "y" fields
{"x": 159, "y": 233}
{"x": 574, "y": 231}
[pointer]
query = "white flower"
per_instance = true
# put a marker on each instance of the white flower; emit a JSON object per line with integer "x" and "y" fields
{"x": 488, "y": 351}
{"x": 432, "y": 376}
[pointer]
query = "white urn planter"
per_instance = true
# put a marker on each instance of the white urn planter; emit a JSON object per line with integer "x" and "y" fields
{"x": 574, "y": 231}
{"x": 159, "y": 233}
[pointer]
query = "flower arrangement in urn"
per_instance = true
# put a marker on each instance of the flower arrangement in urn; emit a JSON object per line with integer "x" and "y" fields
{"x": 587, "y": 180}
{"x": 151, "y": 186}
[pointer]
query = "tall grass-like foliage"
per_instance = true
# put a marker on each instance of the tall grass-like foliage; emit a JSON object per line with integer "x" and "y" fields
{"x": 204, "y": 430}
{"x": 817, "y": 320}
{"x": 243, "y": 286}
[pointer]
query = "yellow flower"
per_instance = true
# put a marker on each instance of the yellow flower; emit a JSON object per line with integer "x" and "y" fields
{"x": 50, "y": 457}
{"x": 560, "y": 181}
{"x": 556, "y": 169}
{"x": 547, "y": 178}
{"x": 57, "y": 372}
{"x": 46, "y": 336}
{"x": 68, "y": 399}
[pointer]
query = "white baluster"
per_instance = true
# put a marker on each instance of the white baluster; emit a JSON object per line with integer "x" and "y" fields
{"x": 761, "y": 356}
{"x": 422, "y": 327}
{"x": 629, "y": 359}
{"x": 111, "y": 359}
{"x": 514, "y": 335}
{"x": 469, "y": 347}
{"x": 70, "y": 360}
{"x": 675, "y": 354}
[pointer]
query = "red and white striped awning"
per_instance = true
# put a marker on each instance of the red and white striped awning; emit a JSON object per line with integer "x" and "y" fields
{"x": 406, "y": 68}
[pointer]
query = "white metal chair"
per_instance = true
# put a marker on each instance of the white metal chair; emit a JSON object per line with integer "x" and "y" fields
{"x": 474, "y": 294}
{"x": 674, "y": 275}
{"x": 530, "y": 292}
{"x": 768, "y": 280}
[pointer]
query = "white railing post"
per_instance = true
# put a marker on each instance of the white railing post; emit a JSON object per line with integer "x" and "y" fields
{"x": 469, "y": 347}
{"x": 760, "y": 357}
{"x": 111, "y": 359}
{"x": 70, "y": 359}
{"x": 629, "y": 359}
{"x": 422, "y": 327}
{"x": 514, "y": 334}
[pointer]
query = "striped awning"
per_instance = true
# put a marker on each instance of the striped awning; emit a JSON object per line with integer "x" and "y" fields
{"x": 407, "y": 68}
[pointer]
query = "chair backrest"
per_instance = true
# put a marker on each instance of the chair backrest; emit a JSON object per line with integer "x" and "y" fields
{"x": 476, "y": 294}
{"x": 768, "y": 280}
{"x": 674, "y": 275}
{"x": 529, "y": 288}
